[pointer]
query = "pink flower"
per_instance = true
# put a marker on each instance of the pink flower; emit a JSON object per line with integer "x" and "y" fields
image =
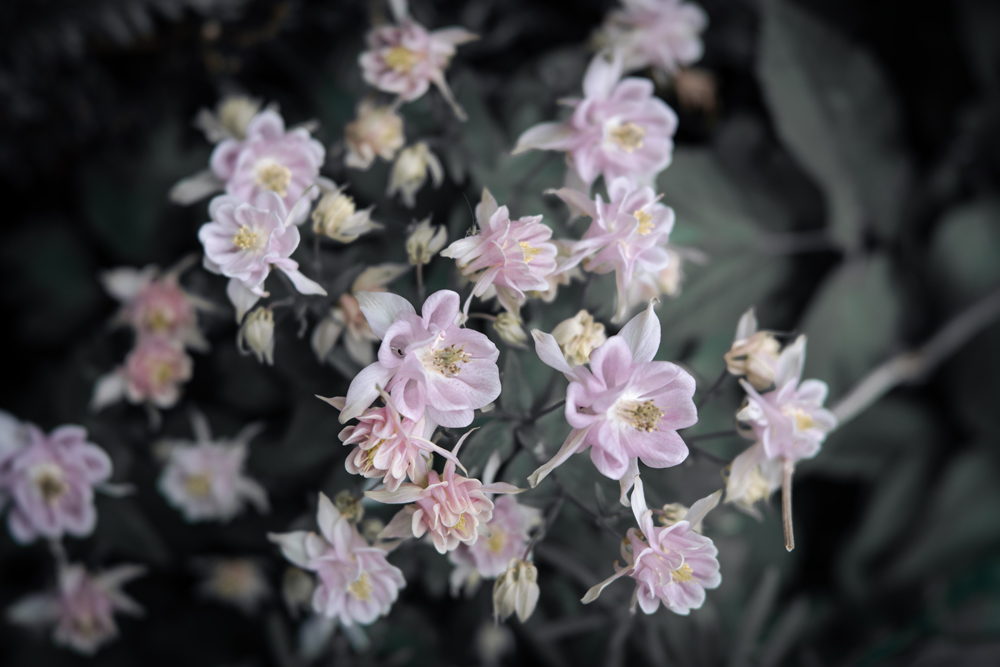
{"x": 270, "y": 160}
{"x": 627, "y": 235}
{"x": 427, "y": 362}
{"x": 789, "y": 422}
{"x": 512, "y": 256}
{"x": 662, "y": 33}
{"x": 81, "y": 610}
{"x": 377, "y": 131}
{"x": 673, "y": 564}
{"x": 449, "y": 506}
{"x": 244, "y": 240}
{"x": 626, "y": 406}
{"x": 618, "y": 129}
{"x": 405, "y": 58}
{"x": 357, "y": 583}
{"x": 50, "y": 480}
{"x": 205, "y": 479}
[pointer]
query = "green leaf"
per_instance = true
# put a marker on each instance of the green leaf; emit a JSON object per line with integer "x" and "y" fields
{"x": 965, "y": 248}
{"x": 123, "y": 527}
{"x": 516, "y": 395}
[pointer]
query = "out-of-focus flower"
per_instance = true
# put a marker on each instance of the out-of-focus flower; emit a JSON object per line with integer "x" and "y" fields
{"x": 349, "y": 506}
{"x": 493, "y": 642}
{"x": 625, "y": 406}
{"x": 205, "y": 479}
{"x": 256, "y": 335}
{"x": 618, "y": 129}
{"x": 239, "y": 582}
{"x": 244, "y": 240}
{"x": 662, "y": 33}
{"x": 377, "y": 131}
{"x": 154, "y": 304}
{"x": 81, "y": 609}
{"x": 425, "y": 362}
{"x": 409, "y": 173}
{"x": 346, "y": 317}
{"x": 448, "y": 506}
{"x": 271, "y": 160}
{"x": 50, "y": 480}
{"x": 649, "y": 283}
{"x": 512, "y": 256}
{"x": 406, "y": 59}
{"x": 297, "y": 589}
{"x": 424, "y": 240}
{"x": 673, "y": 564}
{"x": 356, "y": 582}
{"x": 754, "y": 354}
{"x": 516, "y": 590}
{"x": 337, "y": 218}
{"x": 153, "y": 374}
{"x": 696, "y": 89}
{"x": 560, "y": 277}
{"x": 230, "y": 120}
{"x": 578, "y": 337}
{"x": 508, "y": 325}
{"x": 752, "y": 478}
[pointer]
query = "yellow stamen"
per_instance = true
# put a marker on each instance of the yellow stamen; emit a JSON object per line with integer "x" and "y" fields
{"x": 460, "y": 526}
{"x": 159, "y": 320}
{"x": 275, "y": 177}
{"x": 245, "y": 238}
{"x": 370, "y": 456}
{"x": 163, "y": 374}
{"x": 803, "y": 420}
{"x": 628, "y": 137}
{"x": 447, "y": 361}
{"x": 400, "y": 59}
{"x": 645, "y": 221}
{"x": 496, "y": 541}
{"x": 198, "y": 485}
{"x": 361, "y": 589}
{"x": 640, "y": 416}
{"x": 682, "y": 574}
{"x": 51, "y": 487}
{"x": 529, "y": 252}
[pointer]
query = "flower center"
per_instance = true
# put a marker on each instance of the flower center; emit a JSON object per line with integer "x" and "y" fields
{"x": 645, "y": 221}
{"x": 50, "y": 484}
{"x": 460, "y": 526}
{"x": 640, "y": 416}
{"x": 803, "y": 420}
{"x": 163, "y": 374}
{"x": 530, "y": 252}
{"x": 198, "y": 485}
{"x": 448, "y": 360}
{"x": 159, "y": 320}
{"x": 496, "y": 541}
{"x": 85, "y": 626}
{"x": 628, "y": 137}
{"x": 274, "y": 176}
{"x": 245, "y": 238}
{"x": 400, "y": 59}
{"x": 361, "y": 589}
{"x": 370, "y": 456}
{"x": 682, "y": 574}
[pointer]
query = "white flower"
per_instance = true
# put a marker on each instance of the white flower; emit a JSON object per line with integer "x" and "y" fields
{"x": 578, "y": 337}
{"x": 337, "y": 217}
{"x": 516, "y": 590}
{"x": 257, "y": 333}
{"x": 508, "y": 325}
{"x": 424, "y": 241}
{"x": 409, "y": 173}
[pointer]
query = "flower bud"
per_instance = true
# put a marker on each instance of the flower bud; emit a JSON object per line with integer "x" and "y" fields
{"x": 377, "y": 131}
{"x": 257, "y": 333}
{"x": 370, "y": 528}
{"x": 297, "y": 590}
{"x": 326, "y": 334}
{"x": 425, "y": 241}
{"x": 349, "y": 506}
{"x": 336, "y": 217}
{"x": 409, "y": 173}
{"x": 516, "y": 590}
{"x": 578, "y": 337}
{"x": 232, "y": 116}
{"x": 509, "y": 327}
{"x": 754, "y": 354}
{"x": 672, "y": 513}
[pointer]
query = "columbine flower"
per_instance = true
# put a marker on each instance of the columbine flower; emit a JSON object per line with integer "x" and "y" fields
{"x": 618, "y": 129}
{"x": 81, "y": 609}
{"x": 508, "y": 325}
{"x": 752, "y": 478}
{"x": 356, "y": 582}
{"x": 257, "y": 334}
{"x": 154, "y": 304}
{"x": 673, "y": 564}
{"x": 516, "y": 590}
{"x": 754, "y": 354}
{"x": 628, "y": 235}
{"x": 424, "y": 240}
{"x": 650, "y": 282}
{"x": 153, "y": 374}
{"x": 448, "y": 506}
{"x": 337, "y": 218}
{"x": 626, "y": 406}
{"x": 205, "y": 480}
{"x": 662, "y": 33}
{"x": 512, "y": 256}
{"x": 560, "y": 277}
{"x": 409, "y": 173}
{"x": 239, "y": 582}
{"x": 426, "y": 362}
{"x": 578, "y": 337}
{"x": 50, "y": 481}
{"x": 271, "y": 160}
{"x": 347, "y": 317}
{"x": 376, "y": 131}
{"x": 405, "y": 58}
{"x": 243, "y": 241}
{"x": 230, "y": 120}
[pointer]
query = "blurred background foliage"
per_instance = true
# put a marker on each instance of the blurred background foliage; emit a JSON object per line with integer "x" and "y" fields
{"x": 845, "y": 183}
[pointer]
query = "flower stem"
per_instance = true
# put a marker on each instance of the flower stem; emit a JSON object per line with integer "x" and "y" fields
{"x": 712, "y": 390}
{"x": 786, "y": 504}
{"x": 420, "y": 283}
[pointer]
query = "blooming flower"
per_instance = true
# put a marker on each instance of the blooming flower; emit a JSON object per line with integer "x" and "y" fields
{"x": 578, "y": 337}
{"x": 337, "y": 218}
{"x": 516, "y": 590}
{"x": 81, "y": 609}
{"x": 424, "y": 240}
{"x": 662, "y": 33}
{"x": 205, "y": 480}
{"x": 356, "y": 582}
{"x": 50, "y": 481}
{"x": 560, "y": 277}
{"x": 377, "y": 131}
{"x": 244, "y": 240}
{"x": 239, "y": 582}
{"x": 649, "y": 282}
{"x": 406, "y": 59}
{"x": 426, "y": 362}
{"x": 448, "y": 506}
{"x": 153, "y": 374}
{"x": 512, "y": 256}
{"x": 618, "y": 129}
{"x": 409, "y": 173}
{"x": 257, "y": 333}
{"x": 754, "y": 354}
{"x": 230, "y": 120}
{"x": 625, "y": 406}
{"x": 270, "y": 160}
{"x": 673, "y": 564}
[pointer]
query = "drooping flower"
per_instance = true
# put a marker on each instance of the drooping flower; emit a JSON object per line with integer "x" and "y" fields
{"x": 516, "y": 590}
{"x": 50, "y": 481}
{"x": 753, "y": 354}
{"x": 356, "y": 582}
{"x": 256, "y": 335}
{"x": 405, "y": 59}
{"x": 625, "y": 407}
{"x": 337, "y": 218}
{"x": 245, "y": 240}
{"x": 153, "y": 374}
{"x": 508, "y": 326}
{"x": 662, "y": 33}
{"x": 205, "y": 479}
{"x": 672, "y": 564}
{"x": 239, "y": 582}
{"x": 752, "y": 478}
{"x": 425, "y": 362}
{"x": 512, "y": 256}
{"x": 409, "y": 173}
{"x": 578, "y": 337}
{"x": 619, "y": 129}
{"x": 377, "y": 131}
{"x": 424, "y": 240}
{"x": 81, "y": 609}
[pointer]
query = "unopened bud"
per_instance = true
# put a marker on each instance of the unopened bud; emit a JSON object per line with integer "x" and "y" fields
{"x": 409, "y": 173}
{"x": 336, "y": 217}
{"x": 754, "y": 354}
{"x": 349, "y": 506}
{"x": 297, "y": 590}
{"x": 370, "y": 528}
{"x": 509, "y": 327}
{"x": 424, "y": 241}
{"x": 516, "y": 590}
{"x": 326, "y": 333}
{"x": 257, "y": 333}
{"x": 578, "y": 337}
{"x": 672, "y": 513}
{"x": 230, "y": 120}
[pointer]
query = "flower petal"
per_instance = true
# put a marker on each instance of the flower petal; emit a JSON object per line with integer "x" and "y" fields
{"x": 572, "y": 445}
{"x": 642, "y": 333}
{"x": 364, "y": 389}
{"x": 702, "y": 507}
{"x": 549, "y": 352}
{"x": 302, "y": 284}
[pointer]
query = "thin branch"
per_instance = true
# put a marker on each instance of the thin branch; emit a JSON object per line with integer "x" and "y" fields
{"x": 714, "y": 435}
{"x": 711, "y": 391}
{"x": 420, "y": 283}
{"x": 551, "y": 408}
